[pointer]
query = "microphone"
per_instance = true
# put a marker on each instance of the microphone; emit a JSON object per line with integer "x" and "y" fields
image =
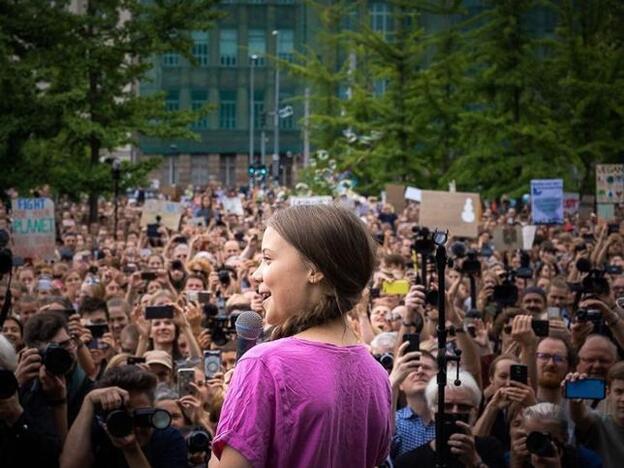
{"x": 248, "y": 328}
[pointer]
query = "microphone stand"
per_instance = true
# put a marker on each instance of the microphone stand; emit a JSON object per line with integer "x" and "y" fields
{"x": 441, "y": 440}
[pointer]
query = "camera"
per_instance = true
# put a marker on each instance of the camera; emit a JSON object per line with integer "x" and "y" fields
{"x": 8, "y": 384}
{"x": 540, "y": 444}
{"x": 422, "y": 241}
{"x": 588, "y": 315}
{"x": 120, "y": 423}
{"x": 177, "y": 265}
{"x": 198, "y": 441}
{"x": 595, "y": 283}
{"x": 224, "y": 277}
{"x": 506, "y": 294}
{"x": 56, "y": 359}
{"x": 386, "y": 360}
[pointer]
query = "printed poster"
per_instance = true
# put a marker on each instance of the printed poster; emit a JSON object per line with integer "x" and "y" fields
{"x": 169, "y": 212}
{"x": 547, "y": 201}
{"x": 33, "y": 227}
{"x": 610, "y": 183}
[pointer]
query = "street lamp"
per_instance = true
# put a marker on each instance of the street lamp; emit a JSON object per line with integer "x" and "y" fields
{"x": 116, "y": 172}
{"x": 252, "y": 67}
{"x": 276, "y": 113}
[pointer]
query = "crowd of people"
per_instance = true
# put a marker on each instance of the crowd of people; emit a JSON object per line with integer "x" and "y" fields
{"x": 121, "y": 351}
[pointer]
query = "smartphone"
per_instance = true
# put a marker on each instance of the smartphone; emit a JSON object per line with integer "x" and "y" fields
{"x": 152, "y": 230}
{"x": 540, "y": 327}
{"x": 192, "y": 296}
{"x": 133, "y": 360}
{"x": 144, "y": 253}
{"x": 554, "y": 313}
{"x": 97, "y": 330}
{"x": 374, "y": 293}
{"x": 203, "y": 297}
{"x": 505, "y": 294}
{"x": 185, "y": 377}
{"x": 519, "y": 373}
{"x": 586, "y": 389}
{"x": 212, "y": 363}
{"x": 159, "y": 312}
{"x": 414, "y": 342}
{"x": 397, "y": 287}
{"x": 148, "y": 275}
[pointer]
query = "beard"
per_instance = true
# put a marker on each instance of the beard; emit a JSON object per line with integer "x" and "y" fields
{"x": 549, "y": 380}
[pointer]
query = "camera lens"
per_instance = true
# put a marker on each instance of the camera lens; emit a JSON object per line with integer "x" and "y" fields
{"x": 540, "y": 444}
{"x": 56, "y": 359}
{"x": 119, "y": 423}
{"x": 8, "y": 384}
{"x": 161, "y": 419}
{"x": 386, "y": 360}
{"x": 198, "y": 441}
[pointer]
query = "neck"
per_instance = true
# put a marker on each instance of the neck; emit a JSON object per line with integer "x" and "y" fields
{"x": 168, "y": 347}
{"x": 551, "y": 395}
{"x": 418, "y": 405}
{"x": 336, "y": 332}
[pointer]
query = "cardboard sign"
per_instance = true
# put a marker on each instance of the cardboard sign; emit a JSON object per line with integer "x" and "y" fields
{"x": 233, "y": 205}
{"x": 34, "y": 230}
{"x": 458, "y": 212}
{"x": 547, "y": 201}
{"x": 414, "y": 194}
{"x": 169, "y": 212}
{"x": 528, "y": 237}
{"x": 507, "y": 238}
{"x": 320, "y": 200}
{"x": 571, "y": 202}
{"x": 395, "y": 195}
{"x": 610, "y": 183}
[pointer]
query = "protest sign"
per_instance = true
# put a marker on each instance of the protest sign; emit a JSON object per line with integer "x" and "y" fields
{"x": 169, "y": 212}
{"x": 507, "y": 238}
{"x": 610, "y": 183}
{"x": 395, "y": 195}
{"x": 547, "y": 201}
{"x": 528, "y": 236}
{"x": 33, "y": 226}
{"x": 320, "y": 200}
{"x": 571, "y": 202}
{"x": 605, "y": 211}
{"x": 233, "y": 205}
{"x": 458, "y": 212}
{"x": 414, "y": 194}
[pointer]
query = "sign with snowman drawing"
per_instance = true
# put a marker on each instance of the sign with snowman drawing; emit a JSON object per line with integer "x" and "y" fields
{"x": 459, "y": 212}
{"x": 547, "y": 201}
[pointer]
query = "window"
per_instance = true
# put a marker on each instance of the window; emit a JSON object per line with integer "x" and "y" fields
{"x": 227, "y": 166}
{"x": 201, "y": 51}
{"x": 257, "y": 45}
{"x": 285, "y": 2}
{"x": 171, "y": 59}
{"x": 380, "y": 18}
{"x": 259, "y": 117}
{"x": 227, "y": 109}
{"x": 172, "y": 100}
{"x": 228, "y": 47}
{"x": 173, "y": 170}
{"x": 200, "y": 170}
{"x": 379, "y": 87}
{"x": 286, "y": 44}
{"x": 199, "y": 97}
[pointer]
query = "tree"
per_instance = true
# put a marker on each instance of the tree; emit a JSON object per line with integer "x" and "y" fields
{"x": 105, "y": 51}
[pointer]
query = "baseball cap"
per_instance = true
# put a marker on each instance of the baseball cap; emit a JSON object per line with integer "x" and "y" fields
{"x": 159, "y": 357}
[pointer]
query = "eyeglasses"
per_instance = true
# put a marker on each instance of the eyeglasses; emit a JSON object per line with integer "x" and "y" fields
{"x": 555, "y": 357}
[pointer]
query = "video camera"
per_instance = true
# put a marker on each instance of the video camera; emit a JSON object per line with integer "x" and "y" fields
{"x": 198, "y": 441}
{"x": 470, "y": 264}
{"x": 594, "y": 281}
{"x": 221, "y": 325}
{"x": 121, "y": 422}
{"x": 506, "y": 294}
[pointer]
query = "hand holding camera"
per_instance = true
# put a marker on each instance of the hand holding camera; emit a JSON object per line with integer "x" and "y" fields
{"x": 462, "y": 445}
{"x": 28, "y": 366}
{"x": 522, "y": 331}
{"x": 404, "y": 364}
{"x": 415, "y": 300}
{"x": 107, "y": 399}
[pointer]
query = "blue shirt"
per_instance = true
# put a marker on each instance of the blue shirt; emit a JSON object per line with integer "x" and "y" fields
{"x": 410, "y": 432}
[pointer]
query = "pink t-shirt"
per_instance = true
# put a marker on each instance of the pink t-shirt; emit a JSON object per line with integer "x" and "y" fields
{"x": 298, "y": 403}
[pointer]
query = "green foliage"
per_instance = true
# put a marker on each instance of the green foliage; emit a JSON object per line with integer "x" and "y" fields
{"x": 70, "y": 80}
{"x": 487, "y": 98}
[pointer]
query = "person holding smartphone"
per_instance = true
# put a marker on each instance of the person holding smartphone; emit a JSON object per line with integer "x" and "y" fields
{"x": 303, "y": 398}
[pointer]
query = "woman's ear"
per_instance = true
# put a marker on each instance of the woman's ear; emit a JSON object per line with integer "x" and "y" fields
{"x": 315, "y": 277}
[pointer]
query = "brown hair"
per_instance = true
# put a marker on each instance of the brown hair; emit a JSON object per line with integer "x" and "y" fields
{"x": 337, "y": 244}
{"x": 616, "y": 372}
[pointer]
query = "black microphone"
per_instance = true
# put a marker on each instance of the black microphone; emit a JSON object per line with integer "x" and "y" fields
{"x": 248, "y": 328}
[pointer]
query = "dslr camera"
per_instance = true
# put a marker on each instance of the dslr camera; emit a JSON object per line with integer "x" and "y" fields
{"x": 121, "y": 422}
{"x": 56, "y": 359}
{"x": 540, "y": 444}
{"x": 386, "y": 360}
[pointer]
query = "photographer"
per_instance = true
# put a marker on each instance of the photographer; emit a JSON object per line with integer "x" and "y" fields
{"x": 52, "y": 384}
{"x": 603, "y": 433}
{"x": 90, "y": 442}
{"x": 22, "y": 442}
{"x": 461, "y": 406}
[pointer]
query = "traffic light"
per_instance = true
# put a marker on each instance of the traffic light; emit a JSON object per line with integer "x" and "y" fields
{"x": 259, "y": 171}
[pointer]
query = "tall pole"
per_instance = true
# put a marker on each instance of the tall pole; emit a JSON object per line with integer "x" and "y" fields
{"x": 116, "y": 175}
{"x": 276, "y": 114}
{"x": 252, "y": 66}
{"x": 306, "y": 128}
